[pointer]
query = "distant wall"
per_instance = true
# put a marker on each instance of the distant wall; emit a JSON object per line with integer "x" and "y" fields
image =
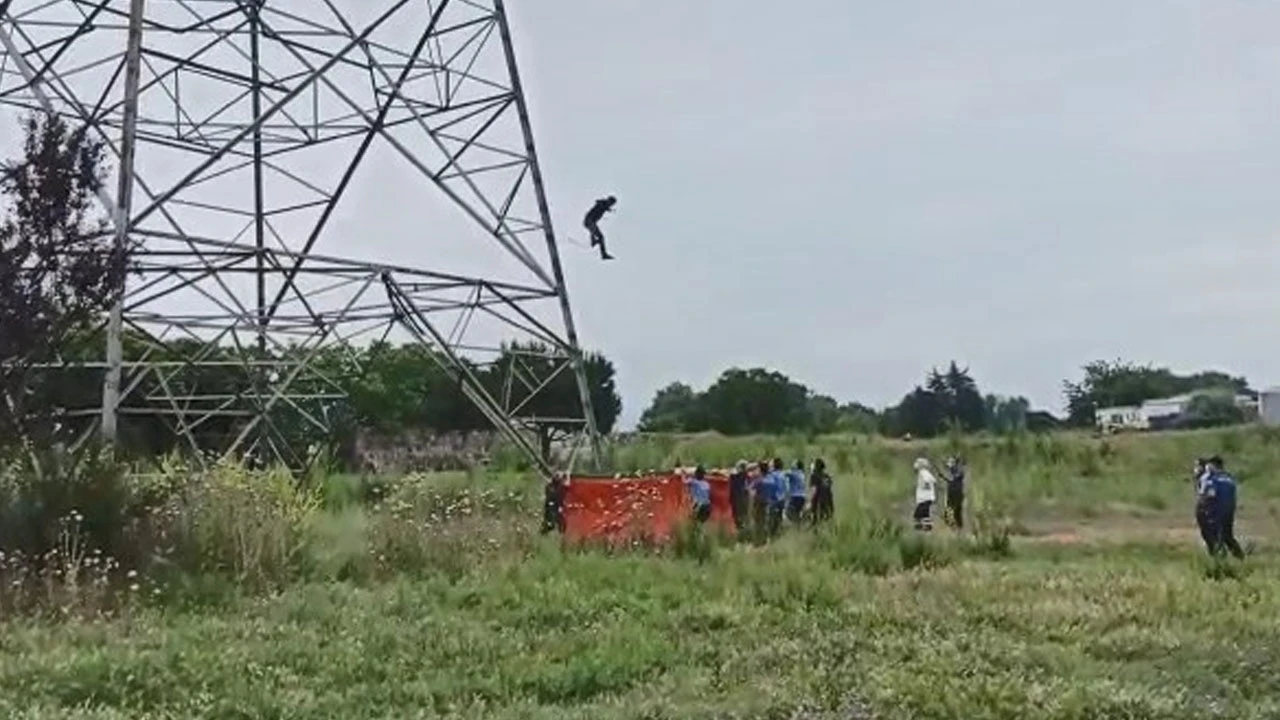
{"x": 426, "y": 451}
{"x": 422, "y": 451}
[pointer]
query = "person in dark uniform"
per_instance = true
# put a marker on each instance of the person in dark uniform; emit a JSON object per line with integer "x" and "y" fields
{"x": 553, "y": 504}
{"x": 592, "y": 223}
{"x": 1223, "y": 500}
{"x": 823, "y": 499}
{"x": 955, "y": 492}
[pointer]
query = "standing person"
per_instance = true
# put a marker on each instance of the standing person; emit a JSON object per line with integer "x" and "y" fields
{"x": 553, "y": 504}
{"x": 823, "y": 505}
{"x": 699, "y": 495}
{"x": 592, "y": 223}
{"x": 926, "y": 495}
{"x": 777, "y": 496}
{"x": 955, "y": 492}
{"x": 760, "y": 492}
{"x": 1224, "y": 507}
{"x": 1203, "y": 482}
{"x": 738, "y": 495}
{"x": 795, "y": 483}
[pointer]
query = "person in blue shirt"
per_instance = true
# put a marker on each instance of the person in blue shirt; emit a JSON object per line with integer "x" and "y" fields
{"x": 796, "y": 492}
{"x": 1220, "y": 491}
{"x": 777, "y": 485}
{"x": 699, "y": 495}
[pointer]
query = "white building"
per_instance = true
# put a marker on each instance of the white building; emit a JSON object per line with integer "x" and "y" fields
{"x": 1269, "y": 406}
{"x": 1128, "y": 417}
{"x": 1139, "y": 417}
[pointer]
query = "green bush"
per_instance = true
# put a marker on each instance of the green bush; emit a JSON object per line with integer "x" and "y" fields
{"x": 250, "y": 526}
{"x": 36, "y": 504}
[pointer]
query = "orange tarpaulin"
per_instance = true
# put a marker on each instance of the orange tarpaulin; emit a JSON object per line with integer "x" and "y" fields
{"x": 649, "y": 507}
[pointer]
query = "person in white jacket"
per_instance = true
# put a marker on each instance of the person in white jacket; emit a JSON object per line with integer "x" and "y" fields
{"x": 926, "y": 494}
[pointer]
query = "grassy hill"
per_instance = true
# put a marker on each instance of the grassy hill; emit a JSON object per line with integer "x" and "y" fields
{"x": 435, "y": 597}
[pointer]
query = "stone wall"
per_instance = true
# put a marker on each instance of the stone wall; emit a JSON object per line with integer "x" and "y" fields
{"x": 425, "y": 451}
{"x": 422, "y": 451}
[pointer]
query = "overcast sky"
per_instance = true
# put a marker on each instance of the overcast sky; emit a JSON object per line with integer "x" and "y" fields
{"x": 851, "y": 191}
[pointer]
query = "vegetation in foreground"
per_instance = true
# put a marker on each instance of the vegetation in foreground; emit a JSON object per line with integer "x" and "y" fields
{"x": 435, "y": 597}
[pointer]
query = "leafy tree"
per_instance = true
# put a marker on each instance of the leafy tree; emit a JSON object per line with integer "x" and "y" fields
{"x": 743, "y": 402}
{"x": 528, "y": 364}
{"x": 858, "y": 418}
{"x": 1006, "y": 414}
{"x": 58, "y": 272}
{"x": 675, "y": 408}
{"x": 824, "y": 414}
{"x": 964, "y": 403}
{"x": 949, "y": 399}
{"x": 1213, "y": 408}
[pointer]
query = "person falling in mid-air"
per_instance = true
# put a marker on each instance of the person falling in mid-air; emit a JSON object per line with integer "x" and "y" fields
{"x": 592, "y": 223}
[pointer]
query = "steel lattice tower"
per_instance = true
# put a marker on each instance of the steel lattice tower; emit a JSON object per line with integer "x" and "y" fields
{"x": 253, "y": 127}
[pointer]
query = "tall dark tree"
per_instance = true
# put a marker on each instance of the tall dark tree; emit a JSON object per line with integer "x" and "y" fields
{"x": 967, "y": 409}
{"x": 58, "y": 272}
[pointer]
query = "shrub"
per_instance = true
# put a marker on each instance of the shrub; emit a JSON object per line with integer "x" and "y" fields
{"x": 919, "y": 550}
{"x": 862, "y": 542}
{"x": 423, "y": 530}
{"x": 34, "y": 505}
{"x": 251, "y": 526}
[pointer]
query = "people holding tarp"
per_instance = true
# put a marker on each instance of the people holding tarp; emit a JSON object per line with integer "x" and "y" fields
{"x": 700, "y": 495}
{"x": 778, "y": 486}
{"x": 796, "y": 493}
{"x": 553, "y": 504}
{"x": 739, "y": 495}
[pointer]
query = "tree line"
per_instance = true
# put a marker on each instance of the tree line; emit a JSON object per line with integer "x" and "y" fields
{"x": 758, "y": 400}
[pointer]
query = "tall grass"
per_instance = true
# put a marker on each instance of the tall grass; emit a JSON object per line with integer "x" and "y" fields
{"x": 259, "y": 531}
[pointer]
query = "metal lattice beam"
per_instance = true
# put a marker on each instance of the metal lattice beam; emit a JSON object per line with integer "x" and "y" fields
{"x": 258, "y": 123}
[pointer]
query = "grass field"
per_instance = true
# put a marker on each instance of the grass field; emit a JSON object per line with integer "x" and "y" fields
{"x": 1101, "y": 606}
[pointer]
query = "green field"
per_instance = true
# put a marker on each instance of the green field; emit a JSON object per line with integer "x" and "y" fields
{"x": 1081, "y": 593}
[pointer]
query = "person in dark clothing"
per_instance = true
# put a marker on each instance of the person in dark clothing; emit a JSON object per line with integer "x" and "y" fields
{"x": 760, "y": 494}
{"x": 823, "y": 504}
{"x": 1223, "y": 494}
{"x": 738, "y": 495}
{"x": 553, "y": 504}
{"x": 955, "y": 493}
{"x": 592, "y": 223}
